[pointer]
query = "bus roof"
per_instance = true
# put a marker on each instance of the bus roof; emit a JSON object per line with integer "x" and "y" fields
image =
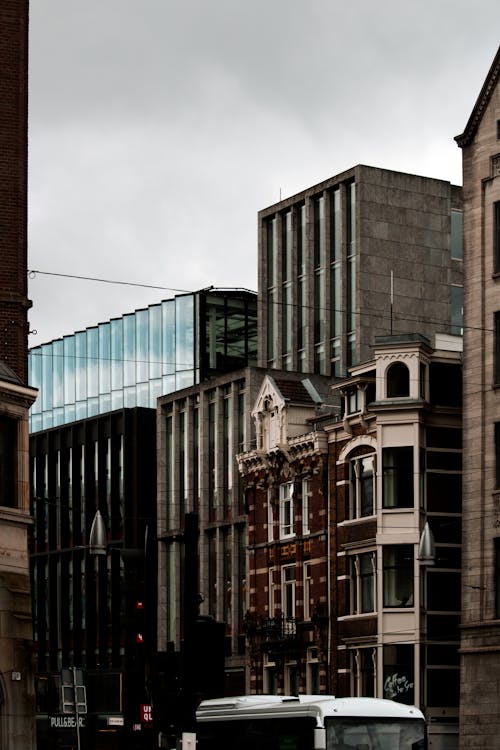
{"x": 320, "y": 706}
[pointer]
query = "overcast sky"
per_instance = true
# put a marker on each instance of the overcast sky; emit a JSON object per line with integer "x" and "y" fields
{"x": 158, "y": 129}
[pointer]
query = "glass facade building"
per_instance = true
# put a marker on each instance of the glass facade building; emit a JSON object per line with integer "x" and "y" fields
{"x": 131, "y": 360}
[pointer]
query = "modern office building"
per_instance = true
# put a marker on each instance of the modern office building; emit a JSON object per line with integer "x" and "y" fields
{"x": 480, "y": 647}
{"x": 93, "y": 612}
{"x": 366, "y": 253}
{"x": 354, "y": 532}
{"x": 16, "y": 640}
{"x": 132, "y": 359}
{"x": 93, "y": 447}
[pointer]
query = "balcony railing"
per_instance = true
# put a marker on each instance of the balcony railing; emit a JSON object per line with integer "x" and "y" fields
{"x": 279, "y": 628}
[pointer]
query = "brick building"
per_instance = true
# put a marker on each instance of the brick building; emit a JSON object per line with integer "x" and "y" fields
{"x": 16, "y": 674}
{"x": 480, "y": 647}
{"x": 343, "y": 596}
{"x": 285, "y": 475}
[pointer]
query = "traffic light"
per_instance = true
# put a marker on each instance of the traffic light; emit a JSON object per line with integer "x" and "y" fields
{"x": 139, "y": 621}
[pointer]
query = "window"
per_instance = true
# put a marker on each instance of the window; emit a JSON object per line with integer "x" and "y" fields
{"x": 496, "y": 365}
{"x": 457, "y": 309}
{"x": 288, "y": 591}
{"x": 398, "y": 380}
{"x": 398, "y": 575}
{"x": 497, "y": 455}
{"x": 306, "y": 487}
{"x": 456, "y": 239}
{"x": 270, "y": 517}
{"x": 292, "y": 678}
{"x": 286, "y": 510}
{"x": 496, "y": 235}
{"x": 312, "y": 676}
{"x": 362, "y": 583}
{"x": 399, "y": 670}
{"x": 270, "y": 676}
{"x": 362, "y": 486}
{"x": 397, "y": 477}
{"x": 497, "y": 577}
{"x": 272, "y": 604}
{"x": 363, "y": 664}
{"x": 307, "y": 590}
{"x": 8, "y": 434}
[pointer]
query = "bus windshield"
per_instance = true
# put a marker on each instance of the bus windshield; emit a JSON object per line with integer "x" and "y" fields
{"x": 374, "y": 734}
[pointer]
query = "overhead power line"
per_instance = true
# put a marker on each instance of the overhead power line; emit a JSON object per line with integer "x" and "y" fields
{"x": 33, "y": 272}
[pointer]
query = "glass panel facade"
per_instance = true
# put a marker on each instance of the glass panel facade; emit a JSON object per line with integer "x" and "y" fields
{"x": 131, "y": 360}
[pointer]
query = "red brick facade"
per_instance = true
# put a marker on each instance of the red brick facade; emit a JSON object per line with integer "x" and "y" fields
{"x": 13, "y": 184}
{"x": 280, "y": 643}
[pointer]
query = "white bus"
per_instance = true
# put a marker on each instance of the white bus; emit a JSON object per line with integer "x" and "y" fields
{"x": 308, "y": 722}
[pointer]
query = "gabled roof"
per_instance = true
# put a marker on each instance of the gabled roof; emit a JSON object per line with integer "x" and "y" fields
{"x": 294, "y": 391}
{"x": 483, "y": 99}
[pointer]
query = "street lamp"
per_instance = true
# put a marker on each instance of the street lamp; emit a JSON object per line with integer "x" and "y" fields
{"x": 427, "y": 547}
{"x": 97, "y": 539}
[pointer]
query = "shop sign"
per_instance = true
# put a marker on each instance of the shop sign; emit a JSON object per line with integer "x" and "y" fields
{"x": 146, "y": 713}
{"x": 63, "y": 721}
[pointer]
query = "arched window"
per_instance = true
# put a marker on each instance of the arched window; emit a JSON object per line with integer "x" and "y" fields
{"x": 398, "y": 380}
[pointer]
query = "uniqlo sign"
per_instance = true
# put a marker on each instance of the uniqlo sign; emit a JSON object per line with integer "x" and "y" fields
{"x": 146, "y": 713}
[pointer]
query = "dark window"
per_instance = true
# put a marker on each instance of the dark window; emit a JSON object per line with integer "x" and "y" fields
{"x": 456, "y": 239}
{"x": 362, "y": 486}
{"x": 497, "y": 577}
{"x": 363, "y": 583}
{"x": 399, "y": 671}
{"x": 443, "y": 591}
{"x": 444, "y": 437}
{"x": 397, "y": 477}
{"x": 496, "y": 235}
{"x": 445, "y": 383}
{"x": 496, "y": 364}
{"x": 8, "y": 429}
{"x": 497, "y": 455}
{"x": 444, "y": 492}
{"x": 398, "y": 575}
{"x": 398, "y": 380}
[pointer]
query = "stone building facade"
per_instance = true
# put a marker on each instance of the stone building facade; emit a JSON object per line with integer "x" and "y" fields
{"x": 343, "y": 597}
{"x": 352, "y": 258}
{"x": 16, "y": 639}
{"x": 395, "y": 463}
{"x": 480, "y": 647}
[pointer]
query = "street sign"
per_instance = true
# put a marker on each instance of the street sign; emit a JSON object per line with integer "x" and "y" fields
{"x": 73, "y": 692}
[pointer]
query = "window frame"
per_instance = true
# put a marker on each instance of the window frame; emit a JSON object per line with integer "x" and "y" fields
{"x": 496, "y": 349}
{"x": 359, "y": 579}
{"x": 289, "y": 608}
{"x": 306, "y": 590}
{"x": 402, "y": 478}
{"x": 286, "y": 511}
{"x": 496, "y": 542}
{"x": 8, "y": 461}
{"x": 360, "y": 676}
{"x": 270, "y": 516}
{"x": 496, "y": 236}
{"x": 357, "y": 484}
{"x": 397, "y": 574}
{"x": 306, "y": 494}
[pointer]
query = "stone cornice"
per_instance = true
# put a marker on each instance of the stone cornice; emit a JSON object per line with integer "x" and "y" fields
{"x": 297, "y": 449}
{"x": 482, "y": 102}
